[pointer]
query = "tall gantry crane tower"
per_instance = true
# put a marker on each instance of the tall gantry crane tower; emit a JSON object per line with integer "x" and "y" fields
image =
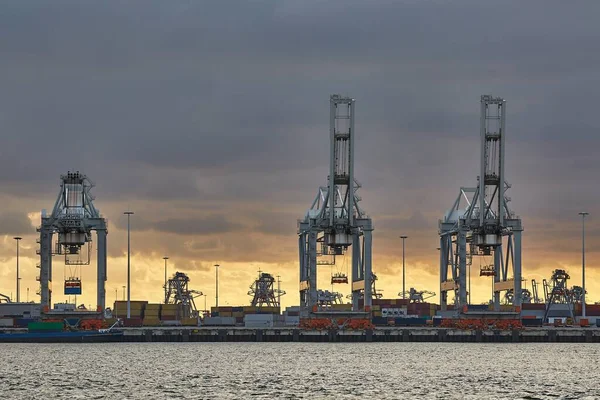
{"x": 73, "y": 219}
{"x": 335, "y": 221}
{"x": 485, "y": 225}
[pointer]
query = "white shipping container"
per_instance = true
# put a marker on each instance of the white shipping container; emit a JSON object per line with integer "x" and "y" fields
{"x": 258, "y": 324}
{"x": 20, "y": 310}
{"x": 6, "y": 322}
{"x": 258, "y": 320}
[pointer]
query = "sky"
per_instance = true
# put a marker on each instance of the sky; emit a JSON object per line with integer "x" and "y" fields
{"x": 209, "y": 120}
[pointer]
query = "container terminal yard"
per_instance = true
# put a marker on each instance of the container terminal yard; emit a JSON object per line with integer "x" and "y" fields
{"x": 479, "y": 225}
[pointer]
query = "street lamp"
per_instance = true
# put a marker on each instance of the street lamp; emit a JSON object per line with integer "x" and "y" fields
{"x": 165, "y": 258}
{"x": 129, "y": 214}
{"x": 205, "y": 310}
{"x": 403, "y": 268}
{"x": 18, "y": 239}
{"x": 583, "y": 214}
{"x": 216, "y": 285}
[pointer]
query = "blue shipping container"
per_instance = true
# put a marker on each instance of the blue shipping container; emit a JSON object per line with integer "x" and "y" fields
{"x": 23, "y": 322}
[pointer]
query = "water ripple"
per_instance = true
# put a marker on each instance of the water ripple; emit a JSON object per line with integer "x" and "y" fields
{"x": 528, "y": 371}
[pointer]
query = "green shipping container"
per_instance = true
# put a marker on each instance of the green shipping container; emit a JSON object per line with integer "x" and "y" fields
{"x": 45, "y": 326}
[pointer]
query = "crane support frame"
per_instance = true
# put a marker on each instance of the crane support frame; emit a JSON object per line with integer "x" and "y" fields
{"x": 480, "y": 223}
{"x": 335, "y": 221}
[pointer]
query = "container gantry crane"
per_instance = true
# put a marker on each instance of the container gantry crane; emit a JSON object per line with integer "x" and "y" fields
{"x": 73, "y": 219}
{"x": 335, "y": 221}
{"x": 485, "y": 224}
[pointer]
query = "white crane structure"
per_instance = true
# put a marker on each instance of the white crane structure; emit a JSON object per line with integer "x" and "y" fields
{"x": 480, "y": 222}
{"x": 73, "y": 218}
{"x": 335, "y": 221}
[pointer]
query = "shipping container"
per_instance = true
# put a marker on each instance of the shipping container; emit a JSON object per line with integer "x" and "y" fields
{"x": 379, "y": 321}
{"x": 20, "y": 310}
{"x": 151, "y": 322}
{"x": 45, "y": 326}
{"x": 132, "y": 322}
{"x": 533, "y": 306}
{"x": 189, "y": 322}
{"x": 258, "y": 320}
{"x": 23, "y": 322}
{"x": 410, "y": 321}
{"x": 6, "y": 322}
{"x": 532, "y": 322}
{"x": 219, "y": 321}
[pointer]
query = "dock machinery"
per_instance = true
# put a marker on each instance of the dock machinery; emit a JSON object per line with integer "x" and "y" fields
{"x": 485, "y": 225}
{"x": 335, "y": 221}
{"x": 179, "y": 293}
{"x": 73, "y": 219}
{"x": 264, "y": 293}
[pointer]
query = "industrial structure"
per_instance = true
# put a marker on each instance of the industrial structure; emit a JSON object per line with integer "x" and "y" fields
{"x": 557, "y": 292}
{"x": 73, "y": 219}
{"x": 264, "y": 293}
{"x": 180, "y": 294}
{"x": 416, "y": 296}
{"x": 485, "y": 225}
{"x": 335, "y": 221}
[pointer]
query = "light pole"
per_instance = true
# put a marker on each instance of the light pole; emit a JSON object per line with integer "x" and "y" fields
{"x": 18, "y": 239}
{"x": 279, "y": 291}
{"x": 403, "y": 268}
{"x": 129, "y": 214}
{"x": 123, "y": 292}
{"x": 583, "y": 214}
{"x": 165, "y": 258}
{"x": 205, "y": 310}
{"x": 216, "y": 285}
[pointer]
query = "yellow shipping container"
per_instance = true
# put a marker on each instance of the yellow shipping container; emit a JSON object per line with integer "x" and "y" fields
{"x": 189, "y": 322}
{"x": 376, "y": 308}
{"x": 224, "y": 314}
{"x": 237, "y": 314}
{"x": 250, "y": 309}
{"x": 151, "y": 322}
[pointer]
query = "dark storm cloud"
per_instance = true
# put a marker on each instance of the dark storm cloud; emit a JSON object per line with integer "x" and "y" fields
{"x": 224, "y": 106}
{"x": 15, "y": 224}
{"x": 194, "y": 225}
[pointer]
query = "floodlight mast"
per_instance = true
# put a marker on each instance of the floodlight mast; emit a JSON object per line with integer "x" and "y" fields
{"x": 480, "y": 227}
{"x": 335, "y": 221}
